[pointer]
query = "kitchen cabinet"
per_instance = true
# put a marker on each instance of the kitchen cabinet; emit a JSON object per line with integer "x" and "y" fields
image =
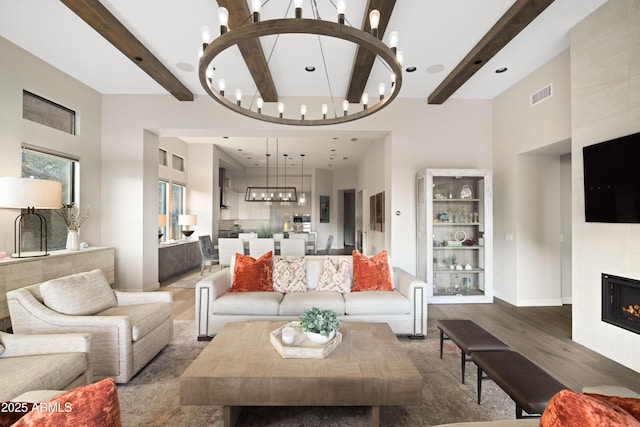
{"x": 455, "y": 234}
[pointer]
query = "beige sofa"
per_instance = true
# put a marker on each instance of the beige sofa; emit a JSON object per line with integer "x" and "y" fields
{"x": 35, "y": 362}
{"x": 128, "y": 328}
{"x": 404, "y": 309}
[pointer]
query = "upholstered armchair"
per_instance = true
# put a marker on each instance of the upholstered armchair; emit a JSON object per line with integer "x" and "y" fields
{"x": 127, "y": 328}
{"x": 34, "y": 362}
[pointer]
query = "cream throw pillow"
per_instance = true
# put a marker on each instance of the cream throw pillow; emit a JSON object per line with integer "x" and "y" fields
{"x": 335, "y": 279}
{"x": 290, "y": 275}
{"x": 82, "y": 294}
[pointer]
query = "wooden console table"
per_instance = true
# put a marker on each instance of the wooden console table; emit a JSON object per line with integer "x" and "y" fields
{"x": 17, "y": 273}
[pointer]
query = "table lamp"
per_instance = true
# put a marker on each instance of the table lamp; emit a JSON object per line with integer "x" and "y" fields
{"x": 29, "y": 194}
{"x": 162, "y": 223}
{"x": 187, "y": 220}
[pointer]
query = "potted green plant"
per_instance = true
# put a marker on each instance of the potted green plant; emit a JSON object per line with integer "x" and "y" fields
{"x": 319, "y": 324}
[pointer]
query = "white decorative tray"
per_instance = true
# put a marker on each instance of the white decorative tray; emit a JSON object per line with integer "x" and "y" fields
{"x": 302, "y": 348}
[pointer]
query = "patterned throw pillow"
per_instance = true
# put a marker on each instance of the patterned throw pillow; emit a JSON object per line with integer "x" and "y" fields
{"x": 252, "y": 275}
{"x": 371, "y": 274}
{"x": 335, "y": 279}
{"x": 290, "y": 275}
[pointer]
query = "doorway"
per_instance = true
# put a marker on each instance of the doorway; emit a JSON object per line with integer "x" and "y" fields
{"x": 349, "y": 219}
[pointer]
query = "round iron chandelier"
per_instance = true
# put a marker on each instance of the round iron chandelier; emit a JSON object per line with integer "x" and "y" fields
{"x": 254, "y": 29}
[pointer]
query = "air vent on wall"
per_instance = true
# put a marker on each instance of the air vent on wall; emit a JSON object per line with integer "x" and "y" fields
{"x": 541, "y": 95}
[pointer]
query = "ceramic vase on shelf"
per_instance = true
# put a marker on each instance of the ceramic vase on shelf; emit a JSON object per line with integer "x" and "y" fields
{"x": 72, "y": 240}
{"x": 319, "y": 338}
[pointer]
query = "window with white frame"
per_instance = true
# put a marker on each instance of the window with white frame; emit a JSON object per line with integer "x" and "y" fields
{"x": 178, "y": 199}
{"x": 163, "y": 209}
{"x": 42, "y": 163}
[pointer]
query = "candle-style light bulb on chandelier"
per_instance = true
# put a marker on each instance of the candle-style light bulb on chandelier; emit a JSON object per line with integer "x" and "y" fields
{"x": 254, "y": 28}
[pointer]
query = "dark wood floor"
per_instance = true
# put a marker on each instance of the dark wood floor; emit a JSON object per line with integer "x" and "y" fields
{"x": 543, "y": 335}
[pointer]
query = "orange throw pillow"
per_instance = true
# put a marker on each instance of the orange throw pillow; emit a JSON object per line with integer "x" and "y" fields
{"x": 93, "y": 405}
{"x": 371, "y": 274}
{"x": 251, "y": 275}
{"x": 629, "y": 404}
{"x": 570, "y": 409}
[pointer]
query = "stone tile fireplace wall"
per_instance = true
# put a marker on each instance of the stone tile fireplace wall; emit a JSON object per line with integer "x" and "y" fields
{"x": 605, "y": 103}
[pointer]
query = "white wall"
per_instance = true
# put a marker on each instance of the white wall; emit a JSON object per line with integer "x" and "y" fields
{"x": 22, "y": 71}
{"x": 605, "y": 79}
{"x": 522, "y": 198}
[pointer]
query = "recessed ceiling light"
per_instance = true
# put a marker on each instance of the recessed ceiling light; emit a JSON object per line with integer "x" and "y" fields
{"x": 354, "y": 139}
{"x": 335, "y": 137}
{"x": 435, "y": 68}
{"x": 239, "y": 149}
{"x": 225, "y": 137}
{"x": 310, "y": 68}
{"x": 345, "y": 158}
{"x": 501, "y": 70}
{"x": 333, "y": 149}
{"x": 329, "y": 164}
{"x": 410, "y": 69}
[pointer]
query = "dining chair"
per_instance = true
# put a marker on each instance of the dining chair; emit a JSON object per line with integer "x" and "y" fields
{"x": 209, "y": 257}
{"x": 258, "y": 247}
{"x": 227, "y": 248}
{"x": 292, "y": 247}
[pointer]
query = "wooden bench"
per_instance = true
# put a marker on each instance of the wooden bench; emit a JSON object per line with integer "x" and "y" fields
{"x": 469, "y": 337}
{"x": 528, "y": 385}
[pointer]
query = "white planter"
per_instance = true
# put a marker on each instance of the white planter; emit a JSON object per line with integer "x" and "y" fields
{"x": 72, "y": 240}
{"x": 320, "y": 339}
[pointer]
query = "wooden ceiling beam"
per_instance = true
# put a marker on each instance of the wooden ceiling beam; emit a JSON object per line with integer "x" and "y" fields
{"x": 363, "y": 62}
{"x": 251, "y": 50}
{"x": 521, "y": 14}
{"x": 107, "y": 25}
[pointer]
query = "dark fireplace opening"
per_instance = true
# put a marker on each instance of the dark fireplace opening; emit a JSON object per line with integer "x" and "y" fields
{"x": 621, "y": 302}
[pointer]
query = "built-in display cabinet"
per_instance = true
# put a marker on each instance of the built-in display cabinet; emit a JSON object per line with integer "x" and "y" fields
{"x": 455, "y": 234}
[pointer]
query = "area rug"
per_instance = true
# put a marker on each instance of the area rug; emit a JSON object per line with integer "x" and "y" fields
{"x": 190, "y": 279}
{"x": 152, "y": 397}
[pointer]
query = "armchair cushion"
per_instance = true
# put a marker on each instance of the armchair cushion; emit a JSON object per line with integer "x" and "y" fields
{"x": 144, "y": 317}
{"x": 29, "y": 373}
{"x": 81, "y": 294}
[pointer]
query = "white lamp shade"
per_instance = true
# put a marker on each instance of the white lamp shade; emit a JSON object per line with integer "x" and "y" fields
{"x": 187, "y": 219}
{"x": 21, "y": 193}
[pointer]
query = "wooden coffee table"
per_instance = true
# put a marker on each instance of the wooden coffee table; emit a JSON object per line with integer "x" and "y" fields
{"x": 240, "y": 367}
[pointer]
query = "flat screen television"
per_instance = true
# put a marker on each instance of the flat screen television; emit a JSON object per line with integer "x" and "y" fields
{"x": 612, "y": 180}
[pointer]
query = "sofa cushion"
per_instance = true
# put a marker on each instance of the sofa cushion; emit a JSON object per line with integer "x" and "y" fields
{"x": 43, "y": 371}
{"x": 371, "y": 274}
{"x": 568, "y": 408}
{"x": 250, "y": 274}
{"x": 295, "y": 304}
{"x": 144, "y": 318}
{"x": 95, "y": 404}
{"x": 290, "y": 275}
{"x": 81, "y": 294}
{"x": 376, "y": 302}
{"x": 629, "y": 404}
{"x": 335, "y": 278}
{"x": 247, "y": 303}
